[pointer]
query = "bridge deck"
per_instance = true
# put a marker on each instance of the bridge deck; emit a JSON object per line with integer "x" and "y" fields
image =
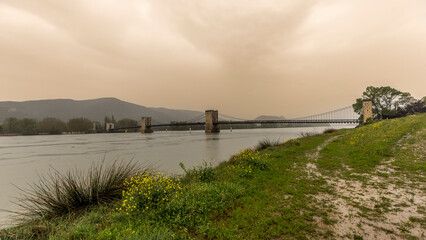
{"x": 293, "y": 121}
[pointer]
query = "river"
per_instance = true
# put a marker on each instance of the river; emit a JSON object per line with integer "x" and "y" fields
{"x": 24, "y": 158}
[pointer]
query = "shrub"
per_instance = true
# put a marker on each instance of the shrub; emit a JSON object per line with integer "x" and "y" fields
{"x": 265, "y": 143}
{"x": 59, "y": 194}
{"x": 330, "y": 130}
{"x": 148, "y": 190}
{"x": 368, "y": 121}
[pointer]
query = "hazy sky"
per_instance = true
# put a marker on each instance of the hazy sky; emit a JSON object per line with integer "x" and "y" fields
{"x": 242, "y": 57}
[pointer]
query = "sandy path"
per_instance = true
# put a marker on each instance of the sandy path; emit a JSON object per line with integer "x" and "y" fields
{"x": 378, "y": 208}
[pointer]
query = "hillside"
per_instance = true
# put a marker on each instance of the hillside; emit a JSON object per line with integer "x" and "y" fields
{"x": 94, "y": 109}
{"x": 266, "y": 117}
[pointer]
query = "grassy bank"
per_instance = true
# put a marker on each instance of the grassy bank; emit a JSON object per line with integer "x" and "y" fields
{"x": 364, "y": 183}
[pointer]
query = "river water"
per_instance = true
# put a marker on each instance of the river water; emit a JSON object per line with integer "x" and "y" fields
{"x": 24, "y": 158}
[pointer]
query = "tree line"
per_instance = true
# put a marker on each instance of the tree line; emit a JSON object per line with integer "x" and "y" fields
{"x": 30, "y": 126}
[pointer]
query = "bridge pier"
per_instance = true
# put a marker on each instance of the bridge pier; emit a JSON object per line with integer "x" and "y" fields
{"x": 146, "y": 125}
{"x": 212, "y": 119}
{"x": 367, "y": 108}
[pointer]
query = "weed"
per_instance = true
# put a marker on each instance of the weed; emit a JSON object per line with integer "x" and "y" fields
{"x": 148, "y": 190}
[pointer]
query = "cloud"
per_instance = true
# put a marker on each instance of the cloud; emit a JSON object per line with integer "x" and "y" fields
{"x": 244, "y": 57}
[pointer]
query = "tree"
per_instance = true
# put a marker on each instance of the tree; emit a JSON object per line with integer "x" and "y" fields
{"x": 52, "y": 126}
{"x": 126, "y": 122}
{"x": 98, "y": 125}
{"x": 387, "y": 101}
{"x": 79, "y": 125}
{"x": 28, "y": 126}
{"x": 418, "y": 106}
{"x": 11, "y": 125}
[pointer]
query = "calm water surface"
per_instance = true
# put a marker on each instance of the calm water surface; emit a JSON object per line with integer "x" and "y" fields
{"x": 22, "y": 159}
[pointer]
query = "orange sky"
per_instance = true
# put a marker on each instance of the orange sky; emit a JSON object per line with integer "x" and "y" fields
{"x": 242, "y": 57}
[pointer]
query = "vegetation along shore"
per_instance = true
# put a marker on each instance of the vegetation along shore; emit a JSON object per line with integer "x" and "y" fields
{"x": 363, "y": 183}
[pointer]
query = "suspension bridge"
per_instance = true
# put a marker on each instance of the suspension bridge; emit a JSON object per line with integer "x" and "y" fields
{"x": 212, "y": 120}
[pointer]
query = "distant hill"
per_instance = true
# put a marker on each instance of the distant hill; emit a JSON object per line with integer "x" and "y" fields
{"x": 265, "y": 117}
{"x": 95, "y": 109}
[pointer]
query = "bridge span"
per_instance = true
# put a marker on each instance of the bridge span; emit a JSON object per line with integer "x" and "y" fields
{"x": 212, "y": 123}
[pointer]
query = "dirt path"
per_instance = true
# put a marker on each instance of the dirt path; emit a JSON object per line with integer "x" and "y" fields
{"x": 386, "y": 205}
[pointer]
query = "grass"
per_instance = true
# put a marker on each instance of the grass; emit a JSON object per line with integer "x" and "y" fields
{"x": 60, "y": 194}
{"x": 265, "y": 143}
{"x": 307, "y": 134}
{"x": 265, "y": 194}
{"x": 364, "y": 148}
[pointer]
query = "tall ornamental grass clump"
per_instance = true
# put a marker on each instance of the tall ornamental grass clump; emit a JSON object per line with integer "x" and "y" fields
{"x": 265, "y": 143}
{"x": 148, "y": 190}
{"x": 58, "y": 193}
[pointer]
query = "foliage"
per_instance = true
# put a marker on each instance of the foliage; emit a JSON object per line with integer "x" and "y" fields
{"x": 51, "y": 126}
{"x": 204, "y": 172}
{"x": 265, "y": 143}
{"x": 59, "y": 194}
{"x": 387, "y": 101}
{"x": 330, "y": 130}
{"x": 148, "y": 190}
{"x": 79, "y": 125}
{"x": 11, "y": 125}
{"x": 126, "y": 122}
{"x": 28, "y": 126}
{"x": 418, "y": 106}
{"x": 246, "y": 161}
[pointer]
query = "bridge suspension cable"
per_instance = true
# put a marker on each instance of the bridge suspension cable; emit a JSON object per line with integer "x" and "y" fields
{"x": 231, "y": 117}
{"x": 197, "y": 118}
{"x": 341, "y": 113}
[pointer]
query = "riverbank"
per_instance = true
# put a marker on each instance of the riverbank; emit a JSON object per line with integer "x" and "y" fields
{"x": 364, "y": 183}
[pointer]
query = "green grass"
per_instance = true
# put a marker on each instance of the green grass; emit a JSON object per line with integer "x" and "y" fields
{"x": 364, "y": 148}
{"x": 266, "y": 195}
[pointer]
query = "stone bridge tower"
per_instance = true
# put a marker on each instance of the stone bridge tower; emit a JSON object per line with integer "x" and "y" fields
{"x": 146, "y": 125}
{"x": 367, "y": 108}
{"x": 212, "y": 120}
